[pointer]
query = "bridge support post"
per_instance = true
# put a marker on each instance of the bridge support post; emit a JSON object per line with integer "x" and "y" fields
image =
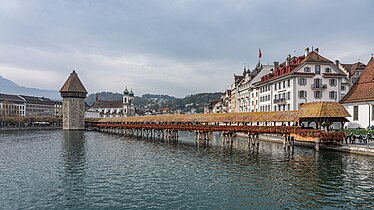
{"x": 317, "y": 145}
{"x": 285, "y": 141}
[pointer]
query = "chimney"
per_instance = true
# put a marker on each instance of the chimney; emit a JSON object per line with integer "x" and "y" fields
{"x": 306, "y": 51}
{"x": 276, "y": 64}
{"x": 97, "y": 97}
{"x": 288, "y": 59}
{"x": 337, "y": 62}
{"x": 316, "y": 50}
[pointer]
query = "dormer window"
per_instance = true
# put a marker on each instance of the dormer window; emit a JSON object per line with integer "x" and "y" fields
{"x": 327, "y": 70}
{"x": 317, "y": 69}
{"x": 307, "y": 69}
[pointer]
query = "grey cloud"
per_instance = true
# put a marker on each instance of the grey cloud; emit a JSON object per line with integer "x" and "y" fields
{"x": 130, "y": 41}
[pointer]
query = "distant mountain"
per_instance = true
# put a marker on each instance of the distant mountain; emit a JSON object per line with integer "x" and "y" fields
{"x": 9, "y": 87}
{"x": 158, "y": 102}
{"x": 155, "y": 96}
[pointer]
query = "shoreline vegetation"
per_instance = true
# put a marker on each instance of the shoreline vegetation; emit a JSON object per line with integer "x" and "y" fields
{"x": 16, "y": 122}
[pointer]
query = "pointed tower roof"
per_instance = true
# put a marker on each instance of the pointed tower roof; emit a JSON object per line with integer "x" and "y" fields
{"x": 73, "y": 87}
{"x": 361, "y": 91}
{"x": 131, "y": 93}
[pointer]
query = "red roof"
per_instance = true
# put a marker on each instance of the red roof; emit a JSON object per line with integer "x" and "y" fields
{"x": 352, "y": 68}
{"x": 362, "y": 90}
{"x": 295, "y": 62}
{"x": 107, "y": 104}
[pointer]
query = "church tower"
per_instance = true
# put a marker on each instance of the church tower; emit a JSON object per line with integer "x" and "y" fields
{"x": 131, "y": 104}
{"x": 73, "y": 93}
{"x": 128, "y": 103}
{"x": 125, "y": 102}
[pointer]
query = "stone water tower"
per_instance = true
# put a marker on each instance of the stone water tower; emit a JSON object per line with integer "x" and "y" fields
{"x": 73, "y": 106}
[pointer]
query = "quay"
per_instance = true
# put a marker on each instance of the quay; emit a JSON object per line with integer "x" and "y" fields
{"x": 290, "y": 125}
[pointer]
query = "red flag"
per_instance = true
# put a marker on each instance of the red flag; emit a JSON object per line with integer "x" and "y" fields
{"x": 259, "y": 53}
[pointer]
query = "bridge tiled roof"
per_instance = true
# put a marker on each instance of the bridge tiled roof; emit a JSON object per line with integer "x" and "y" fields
{"x": 285, "y": 116}
{"x": 310, "y": 110}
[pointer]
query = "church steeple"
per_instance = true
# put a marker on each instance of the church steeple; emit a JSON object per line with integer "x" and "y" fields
{"x": 126, "y": 92}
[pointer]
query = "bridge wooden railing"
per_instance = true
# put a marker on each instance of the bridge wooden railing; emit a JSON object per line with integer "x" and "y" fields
{"x": 324, "y": 136}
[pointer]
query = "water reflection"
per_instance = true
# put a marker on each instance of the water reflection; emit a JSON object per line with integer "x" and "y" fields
{"x": 74, "y": 165}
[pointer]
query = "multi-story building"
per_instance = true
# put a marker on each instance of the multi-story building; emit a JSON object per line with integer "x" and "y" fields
{"x": 359, "y": 101}
{"x": 119, "y": 108}
{"x": 353, "y": 70}
{"x": 58, "y": 108}
{"x": 247, "y": 92}
{"x": 226, "y": 102}
{"x": 22, "y": 105}
{"x": 307, "y": 78}
{"x": 12, "y": 105}
{"x": 39, "y": 106}
{"x": 234, "y": 105}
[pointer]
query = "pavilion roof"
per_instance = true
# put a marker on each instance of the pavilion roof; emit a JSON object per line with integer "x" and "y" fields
{"x": 323, "y": 110}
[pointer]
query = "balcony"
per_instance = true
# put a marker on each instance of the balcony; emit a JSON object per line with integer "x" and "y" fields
{"x": 280, "y": 101}
{"x": 319, "y": 86}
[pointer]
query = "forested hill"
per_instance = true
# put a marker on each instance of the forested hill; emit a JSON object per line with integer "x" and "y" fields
{"x": 157, "y": 103}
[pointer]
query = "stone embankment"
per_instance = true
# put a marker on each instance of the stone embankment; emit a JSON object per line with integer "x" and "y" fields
{"x": 362, "y": 149}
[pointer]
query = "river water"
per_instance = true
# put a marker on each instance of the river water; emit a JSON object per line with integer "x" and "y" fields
{"x": 90, "y": 170}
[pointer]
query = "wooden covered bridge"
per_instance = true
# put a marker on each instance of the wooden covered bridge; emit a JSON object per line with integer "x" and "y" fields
{"x": 304, "y": 124}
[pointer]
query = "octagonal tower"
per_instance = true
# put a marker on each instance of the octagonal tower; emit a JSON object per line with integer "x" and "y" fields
{"x": 73, "y": 107}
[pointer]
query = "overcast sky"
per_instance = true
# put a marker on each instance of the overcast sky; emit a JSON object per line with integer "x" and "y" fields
{"x": 171, "y": 47}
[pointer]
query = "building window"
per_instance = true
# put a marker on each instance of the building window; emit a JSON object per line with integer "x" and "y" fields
{"x": 275, "y": 108}
{"x": 302, "y": 94}
{"x": 332, "y": 82}
{"x": 343, "y": 87}
{"x": 284, "y": 84}
{"x": 288, "y": 106}
{"x": 333, "y": 95}
{"x": 317, "y": 81}
{"x": 317, "y": 69}
{"x": 307, "y": 69}
{"x": 318, "y": 94}
{"x": 288, "y": 95}
{"x": 275, "y": 86}
{"x": 302, "y": 81}
{"x": 288, "y": 83}
{"x": 355, "y": 113}
{"x": 327, "y": 70}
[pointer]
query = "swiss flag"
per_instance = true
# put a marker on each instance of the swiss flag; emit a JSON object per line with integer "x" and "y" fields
{"x": 259, "y": 53}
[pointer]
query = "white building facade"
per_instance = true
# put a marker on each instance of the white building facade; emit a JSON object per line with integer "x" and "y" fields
{"x": 118, "y": 108}
{"x": 299, "y": 80}
{"x": 359, "y": 101}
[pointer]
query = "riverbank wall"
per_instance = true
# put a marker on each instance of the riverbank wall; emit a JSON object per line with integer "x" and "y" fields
{"x": 30, "y": 128}
{"x": 361, "y": 149}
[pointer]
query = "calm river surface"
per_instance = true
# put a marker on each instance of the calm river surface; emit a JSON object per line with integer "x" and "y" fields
{"x": 90, "y": 170}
